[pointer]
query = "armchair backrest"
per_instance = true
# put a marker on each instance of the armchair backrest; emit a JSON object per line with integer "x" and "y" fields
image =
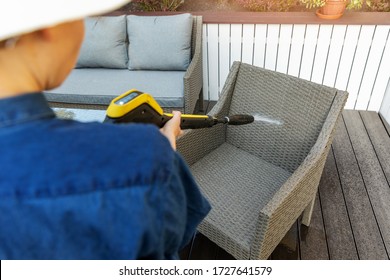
{"x": 289, "y": 115}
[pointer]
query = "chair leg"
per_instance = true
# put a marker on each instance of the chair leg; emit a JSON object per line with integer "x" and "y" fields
{"x": 307, "y": 213}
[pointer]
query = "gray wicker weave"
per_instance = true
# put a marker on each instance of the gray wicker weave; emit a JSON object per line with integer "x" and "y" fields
{"x": 260, "y": 177}
{"x": 193, "y": 82}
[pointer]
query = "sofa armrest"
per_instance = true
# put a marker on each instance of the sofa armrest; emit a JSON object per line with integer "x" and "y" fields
{"x": 193, "y": 78}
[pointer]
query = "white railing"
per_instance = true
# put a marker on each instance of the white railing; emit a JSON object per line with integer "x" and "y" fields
{"x": 385, "y": 108}
{"x": 355, "y": 58}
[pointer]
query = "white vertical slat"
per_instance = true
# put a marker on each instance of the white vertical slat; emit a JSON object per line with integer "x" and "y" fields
{"x": 336, "y": 46}
{"x": 206, "y": 94}
{"x": 321, "y": 54}
{"x": 236, "y": 43}
{"x": 260, "y": 43}
{"x": 247, "y": 43}
{"x": 385, "y": 107}
{"x": 298, "y": 38}
{"x": 284, "y": 48}
{"x": 345, "y": 63}
{"x": 373, "y": 63}
{"x": 224, "y": 53}
{"x": 213, "y": 61}
{"x": 271, "y": 51}
{"x": 359, "y": 63}
{"x": 309, "y": 49}
{"x": 382, "y": 80}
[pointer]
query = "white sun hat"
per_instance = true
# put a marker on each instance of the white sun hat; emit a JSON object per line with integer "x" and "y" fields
{"x": 23, "y": 16}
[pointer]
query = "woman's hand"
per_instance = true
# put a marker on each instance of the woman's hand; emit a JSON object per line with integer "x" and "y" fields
{"x": 172, "y": 129}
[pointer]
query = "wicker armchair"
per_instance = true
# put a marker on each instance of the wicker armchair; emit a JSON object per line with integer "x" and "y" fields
{"x": 260, "y": 177}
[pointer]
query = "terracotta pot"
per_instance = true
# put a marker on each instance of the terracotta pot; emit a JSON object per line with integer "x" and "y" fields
{"x": 333, "y": 9}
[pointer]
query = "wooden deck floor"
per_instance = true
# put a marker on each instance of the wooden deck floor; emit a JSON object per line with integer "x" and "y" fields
{"x": 351, "y": 218}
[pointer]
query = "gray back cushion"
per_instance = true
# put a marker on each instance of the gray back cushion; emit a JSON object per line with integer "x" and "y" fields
{"x": 159, "y": 42}
{"x": 105, "y": 43}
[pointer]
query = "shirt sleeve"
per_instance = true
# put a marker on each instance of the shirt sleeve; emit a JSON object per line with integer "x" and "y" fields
{"x": 141, "y": 221}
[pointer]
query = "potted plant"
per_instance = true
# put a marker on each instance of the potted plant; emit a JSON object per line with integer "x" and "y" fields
{"x": 333, "y": 9}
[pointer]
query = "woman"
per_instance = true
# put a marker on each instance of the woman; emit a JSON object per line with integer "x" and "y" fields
{"x": 73, "y": 190}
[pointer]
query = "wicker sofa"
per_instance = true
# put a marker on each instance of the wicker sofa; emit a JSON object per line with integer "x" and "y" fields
{"x": 161, "y": 55}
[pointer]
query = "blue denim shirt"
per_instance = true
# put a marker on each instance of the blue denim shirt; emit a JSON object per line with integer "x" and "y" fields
{"x": 71, "y": 190}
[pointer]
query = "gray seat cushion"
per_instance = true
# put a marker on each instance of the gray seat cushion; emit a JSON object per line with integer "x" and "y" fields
{"x": 244, "y": 182}
{"x": 100, "y": 86}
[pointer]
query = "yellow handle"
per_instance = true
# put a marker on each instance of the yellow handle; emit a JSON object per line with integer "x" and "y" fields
{"x": 116, "y": 110}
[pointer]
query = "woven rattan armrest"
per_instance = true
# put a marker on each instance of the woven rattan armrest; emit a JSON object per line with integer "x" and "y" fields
{"x": 195, "y": 144}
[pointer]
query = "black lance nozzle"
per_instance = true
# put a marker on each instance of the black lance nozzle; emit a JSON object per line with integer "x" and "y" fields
{"x": 202, "y": 121}
{"x": 237, "y": 119}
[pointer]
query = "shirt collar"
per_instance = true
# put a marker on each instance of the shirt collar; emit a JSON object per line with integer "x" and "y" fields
{"x": 22, "y": 108}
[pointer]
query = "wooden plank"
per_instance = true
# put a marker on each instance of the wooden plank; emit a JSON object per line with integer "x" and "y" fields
{"x": 313, "y": 239}
{"x": 235, "y": 43}
{"x": 381, "y": 90}
{"x": 338, "y": 229}
{"x": 379, "y": 138}
{"x": 336, "y": 47}
{"x": 224, "y": 53}
{"x": 247, "y": 43}
{"x": 374, "y": 178}
{"x": 372, "y": 66}
{"x": 367, "y": 236}
{"x": 385, "y": 109}
{"x": 385, "y": 106}
{"x": 345, "y": 63}
{"x": 206, "y": 93}
{"x": 260, "y": 43}
{"x": 284, "y": 48}
{"x": 297, "y": 42}
{"x": 359, "y": 64}
{"x": 386, "y": 124}
{"x": 213, "y": 61}
{"x": 321, "y": 54}
{"x": 272, "y": 46}
{"x": 309, "y": 50}
{"x": 203, "y": 248}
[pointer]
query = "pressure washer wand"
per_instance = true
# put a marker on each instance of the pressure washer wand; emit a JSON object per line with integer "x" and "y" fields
{"x": 140, "y": 107}
{"x": 202, "y": 121}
